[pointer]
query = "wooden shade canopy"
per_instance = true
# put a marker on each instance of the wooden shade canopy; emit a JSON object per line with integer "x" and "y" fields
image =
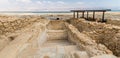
{"x": 89, "y": 10}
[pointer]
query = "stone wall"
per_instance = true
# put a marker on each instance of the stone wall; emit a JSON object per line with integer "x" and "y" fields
{"x": 109, "y": 35}
{"x": 56, "y": 25}
{"x": 85, "y": 42}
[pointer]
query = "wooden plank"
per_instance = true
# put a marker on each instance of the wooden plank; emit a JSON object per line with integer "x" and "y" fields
{"x": 94, "y": 15}
{"x": 83, "y": 14}
{"x": 73, "y": 14}
{"x": 77, "y": 14}
{"x": 103, "y": 15}
{"x": 87, "y": 15}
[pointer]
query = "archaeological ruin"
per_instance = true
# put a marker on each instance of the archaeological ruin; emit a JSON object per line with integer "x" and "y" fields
{"x": 32, "y": 36}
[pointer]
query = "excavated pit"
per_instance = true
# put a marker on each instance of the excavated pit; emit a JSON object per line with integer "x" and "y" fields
{"x": 60, "y": 39}
{"x": 55, "y": 45}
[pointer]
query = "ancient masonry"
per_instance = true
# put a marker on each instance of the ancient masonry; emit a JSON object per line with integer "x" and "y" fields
{"x": 36, "y": 37}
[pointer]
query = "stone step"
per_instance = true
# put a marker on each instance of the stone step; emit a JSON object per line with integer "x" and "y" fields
{"x": 57, "y": 43}
{"x": 56, "y": 34}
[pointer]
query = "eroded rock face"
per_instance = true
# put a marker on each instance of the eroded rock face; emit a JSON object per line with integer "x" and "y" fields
{"x": 101, "y": 33}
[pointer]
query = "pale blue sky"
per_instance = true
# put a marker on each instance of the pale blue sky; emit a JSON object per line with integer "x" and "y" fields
{"x": 22, "y": 5}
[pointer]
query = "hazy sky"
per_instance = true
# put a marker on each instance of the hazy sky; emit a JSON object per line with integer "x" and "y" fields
{"x": 22, "y": 5}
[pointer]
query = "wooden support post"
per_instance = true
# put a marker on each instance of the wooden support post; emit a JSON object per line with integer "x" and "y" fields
{"x": 77, "y": 14}
{"x": 87, "y": 15}
{"x": 73, "y": 14}
{"x": 83, "y": 14}
{"x": 93, "y": 15}
{"x": 103, "y": 19}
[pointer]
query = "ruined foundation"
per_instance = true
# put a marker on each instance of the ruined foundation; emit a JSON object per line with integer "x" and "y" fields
{"x": 74, "y": 38}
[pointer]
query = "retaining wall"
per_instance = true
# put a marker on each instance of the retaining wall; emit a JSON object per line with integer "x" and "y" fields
{"x": 106, "y": 34}
{"x": 85, "y": 42}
